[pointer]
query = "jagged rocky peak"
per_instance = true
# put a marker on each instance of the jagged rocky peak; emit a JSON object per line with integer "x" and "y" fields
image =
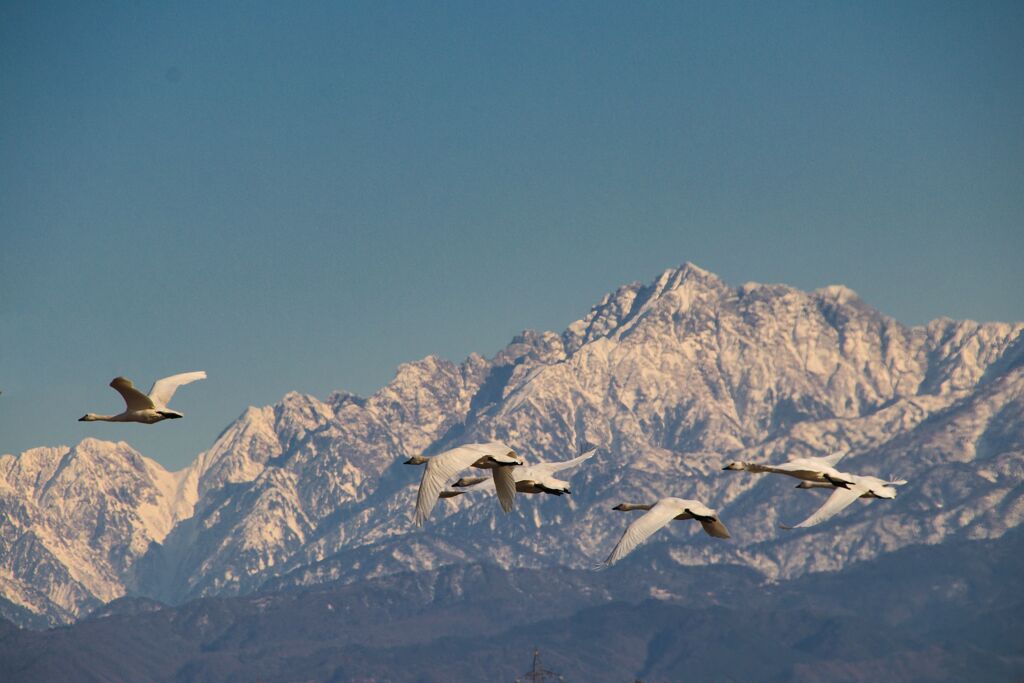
{"x": 675, "y": 290}
{"x": 78, "y": 518}
{"x": 532, "y": 345}
{"x": 839, "y": 294}
{"x": 241, "y": 451}
{"x": 338, "y": 399}
{"x": 295, "y": 415}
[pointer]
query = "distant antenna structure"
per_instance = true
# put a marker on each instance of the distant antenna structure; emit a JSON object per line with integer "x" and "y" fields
{"x": 538, "y": 673}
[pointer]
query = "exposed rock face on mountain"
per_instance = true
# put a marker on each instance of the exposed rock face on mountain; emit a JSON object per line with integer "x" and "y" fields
{"x": 73, "y": 521}
{"x": 671, "y": 380}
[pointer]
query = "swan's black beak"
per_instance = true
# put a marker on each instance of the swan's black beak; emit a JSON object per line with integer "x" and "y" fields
{"x": 408, "y": 462}
{"x": 82, "y": 419}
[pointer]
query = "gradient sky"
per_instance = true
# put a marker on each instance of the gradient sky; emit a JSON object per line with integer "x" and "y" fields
{"x": 302, "y": 197}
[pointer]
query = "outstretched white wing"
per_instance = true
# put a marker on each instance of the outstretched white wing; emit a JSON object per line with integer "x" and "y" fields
{"x": 549, "y": 468}
{"x": 832, "y": 459}
{"x": 839, "y": 500}
{"x": 505, "y": 483}
{"x": 637, "y": 532}
{"x": 491, "y": 448}
{"x": 133, "y": 398}
{"x": 163, "y": 389}
{"x": 439, "y": 470}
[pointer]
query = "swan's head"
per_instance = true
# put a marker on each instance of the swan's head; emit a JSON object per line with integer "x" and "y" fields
{"x": 735, "y": 466}
{"x": 450, "y": 494}
{"x": 88, "y": 417}
{"x": 627, "y": 507}
{"x": 416, "y": 460}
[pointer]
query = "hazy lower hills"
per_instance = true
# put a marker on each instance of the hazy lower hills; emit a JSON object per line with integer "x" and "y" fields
{"x": 949, "y": 612}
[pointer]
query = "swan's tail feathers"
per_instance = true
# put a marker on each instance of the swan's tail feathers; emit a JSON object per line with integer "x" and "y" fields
{"x": 838, "y": 482}
{"x": 715, "y": 528}
{"x": 893, "y": 481}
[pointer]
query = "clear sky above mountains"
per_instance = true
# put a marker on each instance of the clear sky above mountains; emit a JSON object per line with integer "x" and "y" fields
{"x": 302, "y": 197}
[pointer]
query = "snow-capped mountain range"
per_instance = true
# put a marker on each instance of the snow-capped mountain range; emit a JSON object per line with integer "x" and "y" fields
{"x": 671, "y": 380}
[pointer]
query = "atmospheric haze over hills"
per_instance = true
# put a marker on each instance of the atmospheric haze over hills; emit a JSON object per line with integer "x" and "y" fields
{"x": 670, "y": 380}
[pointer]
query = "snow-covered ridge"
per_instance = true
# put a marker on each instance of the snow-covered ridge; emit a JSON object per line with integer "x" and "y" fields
{"x": 670, "y": 379}
{"x": 74, "y": 520}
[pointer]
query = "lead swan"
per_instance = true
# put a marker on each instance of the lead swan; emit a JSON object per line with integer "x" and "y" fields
{"x": 494, "y": 456}
{"x": 844, "y": 495}
{"x": 146, "y": 408}
{"x": 658, "y": 515}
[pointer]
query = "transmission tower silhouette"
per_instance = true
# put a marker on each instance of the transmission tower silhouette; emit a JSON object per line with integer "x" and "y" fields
{"x": 538, "y": 674}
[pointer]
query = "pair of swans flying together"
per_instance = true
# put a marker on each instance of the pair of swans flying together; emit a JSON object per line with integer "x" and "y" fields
{"x": 146, "y": 408}
{"x": 509, "y": 475}
{"x": 494, "y": 456}
{"x": 537, "y": 478}
{"x": 821, "y": 472}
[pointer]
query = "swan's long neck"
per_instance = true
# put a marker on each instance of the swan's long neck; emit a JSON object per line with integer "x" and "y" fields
{"x": 747, "y": 467}
{"x": 93, "y": 417}
{"x": 628, "y": 507}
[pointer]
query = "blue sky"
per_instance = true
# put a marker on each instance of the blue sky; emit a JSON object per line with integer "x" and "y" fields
{"x": 302, "y": 197}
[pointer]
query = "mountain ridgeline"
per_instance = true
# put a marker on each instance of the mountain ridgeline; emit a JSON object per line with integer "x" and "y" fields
{"x": 671, "y": 380}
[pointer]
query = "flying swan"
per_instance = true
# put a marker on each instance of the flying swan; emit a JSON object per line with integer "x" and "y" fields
{"x": 658, "y": 515}
{"x": 494, "y": 456}
{"x": 843, "y": 496}
{"x": 140, "y": 407}
{"x": 821, "y": 470}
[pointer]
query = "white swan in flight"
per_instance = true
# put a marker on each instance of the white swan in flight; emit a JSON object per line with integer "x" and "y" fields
{"x": 844, "y": 495}
{"x": 494, "y": 456}
{"x": 536, "y": 478}
{"x": 820, "y": 470}
{"x": 140, "y": 407}
{"x": 658, "y": 515}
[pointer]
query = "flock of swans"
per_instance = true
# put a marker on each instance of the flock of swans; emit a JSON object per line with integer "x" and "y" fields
{"x": 511, "y": 475}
